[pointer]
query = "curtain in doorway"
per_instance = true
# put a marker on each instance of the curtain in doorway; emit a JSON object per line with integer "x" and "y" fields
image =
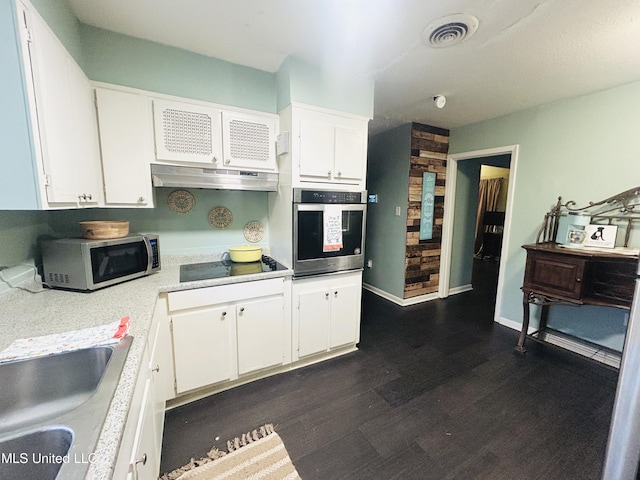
{"x": 487, "y": 201}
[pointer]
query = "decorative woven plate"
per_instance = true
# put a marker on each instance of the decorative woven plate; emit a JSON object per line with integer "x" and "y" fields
{"x": 220, "y": 217}
{"x": 181, "y": 201}
{"x": 253, "y": 231}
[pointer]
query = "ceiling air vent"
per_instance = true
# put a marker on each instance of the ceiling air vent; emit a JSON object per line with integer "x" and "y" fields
{"x": 449, "y": 31}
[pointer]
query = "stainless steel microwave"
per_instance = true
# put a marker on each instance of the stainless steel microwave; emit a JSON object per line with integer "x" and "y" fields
{"x": 81, "y": 264}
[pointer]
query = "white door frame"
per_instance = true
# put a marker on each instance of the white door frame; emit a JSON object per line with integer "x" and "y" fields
{"x": 449, "y": 204}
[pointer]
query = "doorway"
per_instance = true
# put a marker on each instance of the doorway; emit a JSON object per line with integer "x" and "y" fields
{"x": 459, "y": 223}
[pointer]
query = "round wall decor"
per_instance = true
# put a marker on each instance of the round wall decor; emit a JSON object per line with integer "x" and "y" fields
{"x": 253, "y": 231}
{"x": 181, "y": 201}
{"x": 220, "y": 217}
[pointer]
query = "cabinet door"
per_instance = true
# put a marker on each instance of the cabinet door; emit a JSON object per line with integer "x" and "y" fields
{"x": 201, "y": 343}
{"x": 556, "y": 275}
{"x": 350, "y": 153}
{"x": 260, "y": 326}
{"x": 66, "y": 122}
{"x": 313, "y": 322}
{"x": 345, "y": 315}
{"x": 316, "y": 149}
{"x": 145, "y": 463}
{"x": 126, "y": 143}
{"x": 249, "y": 142}
{"x": 187, "y": 133}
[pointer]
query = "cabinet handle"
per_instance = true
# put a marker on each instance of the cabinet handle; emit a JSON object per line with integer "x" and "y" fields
{"x": 141, "y": 200}
{"x": 215, "y": 159}
{"x": 89, "y": 197}
{"x": 329, "y": 174}
{"x": 241, "y": 309}
{"x": 227, "y": 161}
{"x": 224, "y": 314}
{"x": 157, "y": 369}
{"x": 578, "y": 280}
{"x": 326, "y": 295}
{"x": 335, "y": 294}
{"x": 339, "y": 174}
{"x": 143, "y": 459}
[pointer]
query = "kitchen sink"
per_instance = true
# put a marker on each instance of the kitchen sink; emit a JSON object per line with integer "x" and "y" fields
{"x": 39, "y": 454}
{"x": 45, "y": 387}
{"x": 53, "y": 408}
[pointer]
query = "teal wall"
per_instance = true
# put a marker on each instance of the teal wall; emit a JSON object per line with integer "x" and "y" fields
{"x": 64, "y": 23}
{"x": 304, "y": 83}
{"x": 114, "y": 58}
{"x": 584, "y": 149}
{"x": 388, "y": 177}
{"x": 189, "y": 233}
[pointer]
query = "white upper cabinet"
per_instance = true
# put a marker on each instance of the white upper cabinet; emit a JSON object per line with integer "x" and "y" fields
{"x": 65, "y": 130}
{"x": 187, "y": 133}
{"x": 126, "y": 143}
{"x": 328, "y": 147}
{"x": 249, "y": 141}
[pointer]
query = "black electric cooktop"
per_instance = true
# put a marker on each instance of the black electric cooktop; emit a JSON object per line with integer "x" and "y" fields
{"x": 226, "y": 268}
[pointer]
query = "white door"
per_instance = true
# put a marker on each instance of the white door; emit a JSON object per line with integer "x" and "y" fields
{"x": 65, "y": 121}
{"x": 350, "y": 153}
{"x": 345, "y": 315}
{"x": 201, "y": 344}
{"x": 314, "y": 308}
{"x": 316, "y": 149}
{"x": 260, "y": 326}
{"x": 126, "y": 142}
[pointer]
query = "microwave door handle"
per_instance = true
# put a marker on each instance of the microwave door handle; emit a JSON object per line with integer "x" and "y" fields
{"x": 147, "y": 245}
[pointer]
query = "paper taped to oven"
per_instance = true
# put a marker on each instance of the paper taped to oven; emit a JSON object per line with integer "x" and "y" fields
{"x": 332, "y": 228}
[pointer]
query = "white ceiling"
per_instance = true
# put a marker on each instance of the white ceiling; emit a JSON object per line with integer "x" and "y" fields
{"x": 525, "y": 53}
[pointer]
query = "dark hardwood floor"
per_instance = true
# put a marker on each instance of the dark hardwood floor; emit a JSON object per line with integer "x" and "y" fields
{"x": 435, "y": 391}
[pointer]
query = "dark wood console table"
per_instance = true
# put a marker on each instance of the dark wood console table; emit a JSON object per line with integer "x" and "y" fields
{"x": 574, "y": 276}
{"x": 556, "y": 274}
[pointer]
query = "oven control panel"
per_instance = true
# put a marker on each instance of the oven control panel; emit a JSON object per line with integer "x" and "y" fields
{"x": 328, "y": 196}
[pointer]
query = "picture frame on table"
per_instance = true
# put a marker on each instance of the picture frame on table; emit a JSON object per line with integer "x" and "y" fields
{"x": 600, "y": 236}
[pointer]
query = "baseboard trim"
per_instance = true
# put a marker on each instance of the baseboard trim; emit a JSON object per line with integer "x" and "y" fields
{"x": 403, "y": 302}
{"x": 460, "y": 289}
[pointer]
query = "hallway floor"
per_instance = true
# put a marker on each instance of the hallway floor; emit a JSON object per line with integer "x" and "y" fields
{"x": 435, "y": 391}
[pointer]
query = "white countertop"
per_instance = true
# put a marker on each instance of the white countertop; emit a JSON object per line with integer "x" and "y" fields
{"x": 24, "y": 314}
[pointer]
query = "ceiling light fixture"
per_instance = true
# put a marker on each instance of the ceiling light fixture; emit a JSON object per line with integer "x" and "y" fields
{"x": 450, "y": 30}
{"x": 440, "y": 101}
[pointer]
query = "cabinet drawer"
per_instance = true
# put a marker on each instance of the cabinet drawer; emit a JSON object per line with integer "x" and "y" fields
{"x": 201, "y": 297}
{"x": 556, "y": 275}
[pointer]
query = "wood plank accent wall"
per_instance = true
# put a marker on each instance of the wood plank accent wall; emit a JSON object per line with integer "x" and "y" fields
{"x": 429, "y": 148}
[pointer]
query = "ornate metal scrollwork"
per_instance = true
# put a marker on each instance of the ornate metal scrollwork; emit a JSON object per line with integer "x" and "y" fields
{"x": 540, "y": 299}
{"x": 623, "y": 208}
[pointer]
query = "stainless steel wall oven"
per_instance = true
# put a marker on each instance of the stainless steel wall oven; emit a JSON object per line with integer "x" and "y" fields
{"x": 328, "y": 231}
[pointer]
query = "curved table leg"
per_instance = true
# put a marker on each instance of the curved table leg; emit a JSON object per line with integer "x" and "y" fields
{"x": 525, "y": 324}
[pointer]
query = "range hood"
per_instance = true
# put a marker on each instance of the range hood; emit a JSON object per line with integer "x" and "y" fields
{"x": 196, "y": 177}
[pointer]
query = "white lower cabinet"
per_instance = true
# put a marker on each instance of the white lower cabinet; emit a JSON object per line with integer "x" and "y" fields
{"x": 260, "y": 327}
{"x": 202, "y": 346}
{"x": 326, "y": 313}
{"x": 141, "y": 444}
{"x": 222, "y": 333}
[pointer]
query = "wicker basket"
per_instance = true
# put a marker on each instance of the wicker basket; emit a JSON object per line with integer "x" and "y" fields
{"x": 101, "y": 230}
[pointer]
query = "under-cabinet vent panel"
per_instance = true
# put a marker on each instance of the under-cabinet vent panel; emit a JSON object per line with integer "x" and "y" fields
{"x": 187, "y": 133}
{"x": 249, "y": 141}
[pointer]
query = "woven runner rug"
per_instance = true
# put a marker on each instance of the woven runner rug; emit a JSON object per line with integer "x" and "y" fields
{"x": 259, "y": 454}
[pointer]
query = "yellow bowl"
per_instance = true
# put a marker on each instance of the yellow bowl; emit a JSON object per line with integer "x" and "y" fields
{"x": 245, "y": 253}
